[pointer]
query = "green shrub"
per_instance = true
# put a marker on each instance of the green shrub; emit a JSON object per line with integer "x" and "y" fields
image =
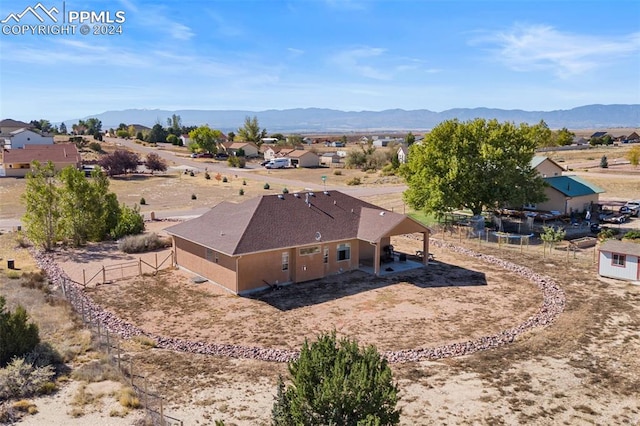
{"x": 225, "y": 180}
{"x": 207, "y": 176}
{"x": 632, "y": 235}
{"x": 194, "y": 197}
{"x": 241, "y": 192}
{"x": 267, "y": 186}
{"x": 142, "y": 201}
{"x": 244, "y": 182}
{"x": 354, "y": 181}
{"x": 285, "y": 190}
{"x": 13, "y": 275}
{"x": 96, "y": 371}
{"x": 335, "y": 382}
{"x": 608, "y": 233}
{"x": 17, "y": 335}
{"x": 95, "y": 146}
{"x": 337, "y": 172}
{"x": 128, "y": 398}
{"x": 142, "y": 243}
{"x": 130, "y": 222}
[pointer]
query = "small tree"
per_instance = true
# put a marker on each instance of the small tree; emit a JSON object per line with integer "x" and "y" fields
{"x": 604, "y": 163}
{"x": 154, "y": 163}
{"x": 337, "y": 383}
{"x": 119, "y": 162}
{"x": 130, "y": 222}
{"x": 17, "y": 336}
{"x": 634, "y": 156}
{"x": 42, "y": 200}
{"x": 550, "y": 236}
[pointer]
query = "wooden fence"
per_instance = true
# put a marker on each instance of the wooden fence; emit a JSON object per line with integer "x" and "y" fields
{"x": 124, "y": 270}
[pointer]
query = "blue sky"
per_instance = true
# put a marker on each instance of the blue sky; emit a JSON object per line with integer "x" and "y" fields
{"x": 341, "y": 54}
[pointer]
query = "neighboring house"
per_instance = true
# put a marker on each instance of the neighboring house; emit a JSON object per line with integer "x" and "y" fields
{"x": 385, "y": 141}
{"x": 403, "y": 154}
{"x": 243, "y": 249}
{"x": 619, "y": 259}
{"x": 8, "y": 125}
{"x": 568, "y": 194}
{"x": 579, "y": 141}
{"x": 185, "y": 140}
{"x": 275, "y": 151}
{"x": 301, "y": 158}
{"x": 250, "y": 149}
{"x": 598, "y": 134}
{"x": 546, "y": 167}
{"x": 330, "y": 159}
{"x": 565, "y": 194}
{"x": 17, "y": 162}
{"x": 19, "y": 138}
{"x": 633, "y": 138}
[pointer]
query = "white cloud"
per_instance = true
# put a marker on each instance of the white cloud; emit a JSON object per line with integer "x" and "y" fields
{"x": 542, "y": 47}
{"x": 353, "y": 60}
{"x": 294, "y": 51}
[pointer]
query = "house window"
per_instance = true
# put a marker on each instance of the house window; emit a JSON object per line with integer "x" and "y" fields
{"x": 344, "y": 251}
{"x": 285, "y": 261}
{"x": 530, "y": 207}
{"x": 619, "y": 260}
{"x": 325, "y": 256}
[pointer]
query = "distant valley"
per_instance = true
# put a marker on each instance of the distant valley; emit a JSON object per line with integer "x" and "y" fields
{"x": 310, "y": 120}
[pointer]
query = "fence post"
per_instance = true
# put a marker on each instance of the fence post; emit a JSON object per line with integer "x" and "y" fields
{"x": 161, "y": 412}
{"x": 146, "y": 394}
{"x": 104, "y": 275}
{"x": 83, "y": 318}
{"x": 140, "y": 266}
{"x": 131, "y": 370}
{"x": 84, "y": 278}
{"x": 156, "y": 263}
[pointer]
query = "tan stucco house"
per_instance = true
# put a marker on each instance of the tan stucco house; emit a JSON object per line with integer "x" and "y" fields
{"x": 17, "y": 162}
{"x": 565, "y": 193}
{"x": 302, "y": 158}
{"x": 287, "y": 238}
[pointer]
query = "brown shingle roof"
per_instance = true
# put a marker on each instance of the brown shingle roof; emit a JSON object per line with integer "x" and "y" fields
{"x": 64, "y": 152}
{"x": 279, "y": 221}
{"x": 621, "y": 247}
{"x": 8, "y": 122}
{"x": 297, "y": 153}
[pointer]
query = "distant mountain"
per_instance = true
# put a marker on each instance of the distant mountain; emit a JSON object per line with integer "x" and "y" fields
{"x": 310, "y": 120}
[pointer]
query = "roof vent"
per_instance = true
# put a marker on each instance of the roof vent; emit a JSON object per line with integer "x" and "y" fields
{"x": 281, "y": 196}
{"x": 296, "y": 195}
{"x": 381, "y": 213}
{"x": 311, "y": 194}
{"x": 335, "y": 202}
{"x": 326, "y": 192}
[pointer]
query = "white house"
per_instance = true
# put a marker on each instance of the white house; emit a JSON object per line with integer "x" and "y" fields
{"x": 19, "y": 138}
{"x": 403, "y": 154}
{"x": 185, "y": 139}
{"x": 619, "y": 259}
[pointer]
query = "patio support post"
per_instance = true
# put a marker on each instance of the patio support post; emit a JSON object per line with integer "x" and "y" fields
{"x": 376, "y": 259}
{"x": 425, "y": 248}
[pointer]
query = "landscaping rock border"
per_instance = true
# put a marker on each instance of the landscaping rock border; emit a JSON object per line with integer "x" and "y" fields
{"x": 553, "y": 303}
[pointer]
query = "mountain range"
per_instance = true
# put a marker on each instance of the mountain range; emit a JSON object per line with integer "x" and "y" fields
{"x": 310, "y": 120}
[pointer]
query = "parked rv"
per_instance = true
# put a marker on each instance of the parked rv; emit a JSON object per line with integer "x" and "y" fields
{"x": 278, "y": 163}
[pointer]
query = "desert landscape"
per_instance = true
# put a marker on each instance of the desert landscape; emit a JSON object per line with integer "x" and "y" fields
{"x": 580, "y": 368}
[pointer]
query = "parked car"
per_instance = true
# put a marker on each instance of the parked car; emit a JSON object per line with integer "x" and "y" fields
{"x": 194, "y": 155}
{"x": 205, "y": 155}
{"x": 634, "y": 207}
{"x": 221, "y": 156}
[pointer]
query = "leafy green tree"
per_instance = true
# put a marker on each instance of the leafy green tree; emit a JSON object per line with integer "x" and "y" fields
{"x": 174, "y": 124}
{"x": 42, "y": 199}
{"x": 93, "y": 126}
{"x": 17, "y": 336}
{"x": 474, "y": 165}
{"x": 337, "y": 383}
{"x": 278, "y": 136}
{"x": 231, "y": 136}
{"x": 130, "y": 222}
{"x": 251, "y": 132}
{"x": 140, "y": 136}
{"x": 551, "y": 236}
{"x": 540, "y": 134}
{"x": 157, "y": 134}
{"x": 206, "y": 138}
{"x": 63, "y": 128}
{"x": 564, "y": 137}
{"x": 409, "y": 139}
{"x": 172, "y": 139}
{"x": 634, "y": 156}
{"x": 155, "y": 163}
{"x": 122, "y": 134}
